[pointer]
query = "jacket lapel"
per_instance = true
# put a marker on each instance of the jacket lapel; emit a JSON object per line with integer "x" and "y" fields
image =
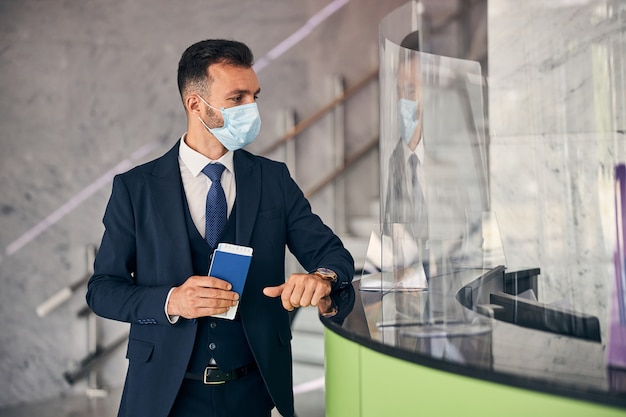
{"x": 166, "y": 191}
{"x": 248, "y": 180}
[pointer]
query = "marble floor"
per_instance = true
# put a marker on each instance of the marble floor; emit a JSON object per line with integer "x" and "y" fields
{"x": 308, "y": 368}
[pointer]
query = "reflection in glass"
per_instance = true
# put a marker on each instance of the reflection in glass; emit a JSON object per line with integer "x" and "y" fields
{"x": 436, "y": 221}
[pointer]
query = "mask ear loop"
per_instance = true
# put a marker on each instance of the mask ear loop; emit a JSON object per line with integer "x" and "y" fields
{"x": 205, "y": 102}
{"x": 204, "y": 124}
{"x": 214, "y": 108}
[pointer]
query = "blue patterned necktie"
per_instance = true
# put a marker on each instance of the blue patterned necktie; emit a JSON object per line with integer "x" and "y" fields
{"x": 216, "y": 207}
{"x": 419, "y": 202}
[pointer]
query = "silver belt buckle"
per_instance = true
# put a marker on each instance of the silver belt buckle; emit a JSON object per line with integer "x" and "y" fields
{"x": 206, "y": 375}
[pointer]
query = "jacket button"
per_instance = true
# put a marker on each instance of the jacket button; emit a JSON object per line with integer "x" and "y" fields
{"x": 212, "y": 346}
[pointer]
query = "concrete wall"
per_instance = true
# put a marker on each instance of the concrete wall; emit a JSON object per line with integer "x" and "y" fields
{"x": 88, "y": 90}
{"x": 558, "y": 117}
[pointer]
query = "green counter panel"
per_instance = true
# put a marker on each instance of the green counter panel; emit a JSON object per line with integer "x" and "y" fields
{"x": 361, "y": 382}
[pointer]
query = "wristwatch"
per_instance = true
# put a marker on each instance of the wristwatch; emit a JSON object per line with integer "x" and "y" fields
{"x": 326, "y": 274}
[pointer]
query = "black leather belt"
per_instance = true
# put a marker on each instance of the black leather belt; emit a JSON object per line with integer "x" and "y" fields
{"x": 214, "y": 376}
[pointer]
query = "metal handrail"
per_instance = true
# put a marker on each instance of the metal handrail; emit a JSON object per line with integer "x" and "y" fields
{"x": 372, "y": 144}
{"x": 309, "y": 121}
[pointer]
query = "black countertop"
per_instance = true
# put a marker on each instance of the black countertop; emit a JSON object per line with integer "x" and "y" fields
{"x": 403, "y": 323}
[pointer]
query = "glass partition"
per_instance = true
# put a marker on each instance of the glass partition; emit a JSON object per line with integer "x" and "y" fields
{"x": 554, "y": 172}
{"x": 551, "y": 316}
{"x": 437, "y": 230}
{"x": 557, "y": 100}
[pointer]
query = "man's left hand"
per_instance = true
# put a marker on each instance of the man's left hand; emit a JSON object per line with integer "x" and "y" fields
{"x": 300, "y": 290}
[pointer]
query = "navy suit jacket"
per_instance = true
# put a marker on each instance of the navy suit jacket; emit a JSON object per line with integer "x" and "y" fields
{"x": 145, "y": 252}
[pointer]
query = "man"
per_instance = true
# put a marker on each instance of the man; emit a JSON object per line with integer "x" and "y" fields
{"x": 151, "y": 268}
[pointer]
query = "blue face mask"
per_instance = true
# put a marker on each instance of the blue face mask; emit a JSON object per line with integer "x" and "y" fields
{"x": 241, "y": 125}
{"x": 407, "y": 118}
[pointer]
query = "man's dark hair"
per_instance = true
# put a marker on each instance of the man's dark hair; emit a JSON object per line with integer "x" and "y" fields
{"x": 193, "y": 64}
{"x": 411, "y": 41}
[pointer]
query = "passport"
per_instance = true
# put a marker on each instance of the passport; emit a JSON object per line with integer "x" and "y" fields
{"x": 231, "y": 263}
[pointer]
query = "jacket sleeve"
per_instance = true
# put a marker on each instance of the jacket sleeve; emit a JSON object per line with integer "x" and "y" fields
{"x": 112, "y": 291}
{"x": 312, "y": 242}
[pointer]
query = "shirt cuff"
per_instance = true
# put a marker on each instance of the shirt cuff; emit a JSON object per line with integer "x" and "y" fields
{"x": 171, "y": 319}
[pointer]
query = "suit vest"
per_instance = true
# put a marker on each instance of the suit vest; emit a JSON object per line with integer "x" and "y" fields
{"x": 221, "y": 339}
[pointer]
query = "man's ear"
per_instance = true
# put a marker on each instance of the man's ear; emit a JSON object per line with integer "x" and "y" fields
{"x": 192, "y": 104}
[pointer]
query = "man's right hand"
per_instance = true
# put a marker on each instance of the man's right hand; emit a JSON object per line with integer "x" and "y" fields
{"x": 201, "y": 296}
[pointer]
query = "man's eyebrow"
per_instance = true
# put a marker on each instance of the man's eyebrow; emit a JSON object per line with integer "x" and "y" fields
{"x": 243, "y": 91}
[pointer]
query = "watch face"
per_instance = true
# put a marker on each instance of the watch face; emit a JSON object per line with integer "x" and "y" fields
{"x": 326, "y": 274}
{"x": 326, "y": 271}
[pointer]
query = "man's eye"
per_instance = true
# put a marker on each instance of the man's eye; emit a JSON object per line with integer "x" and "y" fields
{"x": 256, "y": 97}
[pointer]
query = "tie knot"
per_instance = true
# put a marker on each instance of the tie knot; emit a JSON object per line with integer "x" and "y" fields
{"x": 214, "y": 171}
